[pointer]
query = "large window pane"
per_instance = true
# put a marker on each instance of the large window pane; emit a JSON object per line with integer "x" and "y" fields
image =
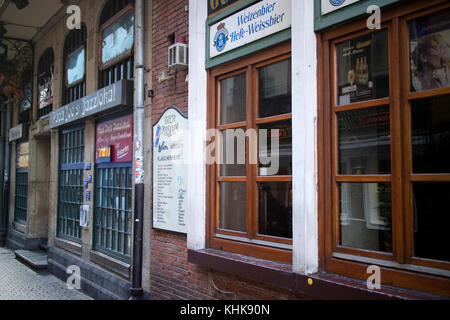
{"x": 431, "y": 135}
{"x": 363, "y": 68}
{"x": 364, "y": 141}
{"x": 118, "y": 38}
{"x": 366, "y": 216}
{"x": 233, "y": 99}
{"x": 275, "y": 160}
{"x": 275, "y": 209}
{"x": 430, "y": 51}
{"x": 275, "y": 89}
{"x": 75, "y": 66}
{"x": 431, "y": 220}
{"x": 233, "y": 206}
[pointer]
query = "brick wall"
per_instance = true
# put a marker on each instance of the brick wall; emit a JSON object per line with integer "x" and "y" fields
{"x": 172, "y": 277}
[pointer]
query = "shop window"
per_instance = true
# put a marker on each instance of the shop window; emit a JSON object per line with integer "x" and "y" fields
{"x": 21, "y": 191}
{"x": 385, "y": 143}
{"x": 45, "y": 83}
{"x": 116, "y": 42}
{"x": 251, "y": 181}
{"x": 71, "y": 188}
{"x": 74, "y": 84}
{"x": 113, "y": 187}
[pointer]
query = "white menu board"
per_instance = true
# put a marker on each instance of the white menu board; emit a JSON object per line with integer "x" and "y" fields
{"x": 170, "y": 171}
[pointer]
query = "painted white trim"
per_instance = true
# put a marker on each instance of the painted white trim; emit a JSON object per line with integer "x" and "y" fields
{"x": 304, "y": 123}
{"x": 196, "y": 194}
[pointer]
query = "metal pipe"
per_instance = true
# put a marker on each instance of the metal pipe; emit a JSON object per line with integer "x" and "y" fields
{"x": 7, "y": 164}
{"x": 3, "y": 214}
{"x": 136, "y": 291}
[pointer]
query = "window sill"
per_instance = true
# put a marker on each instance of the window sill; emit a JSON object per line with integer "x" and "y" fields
{"x": 118, "y": 267}
{"x": 324, "y": 286}
{"x": 69, "y": 246}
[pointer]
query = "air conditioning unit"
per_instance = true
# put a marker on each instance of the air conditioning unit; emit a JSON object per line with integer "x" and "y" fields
{"x": 178, "y": 54}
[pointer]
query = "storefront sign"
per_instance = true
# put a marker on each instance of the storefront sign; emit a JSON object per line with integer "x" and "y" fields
{"x": 170, "y": 171}
{"x": 22, "y": 156}
{"x": 214, "y": 6}
{"x": 16, "y": 133}
{"x": 115, "y": 140}
{"x": 256, "y": 22}
{"x": 115, "y": 95}
{"x": 333, "y": 5}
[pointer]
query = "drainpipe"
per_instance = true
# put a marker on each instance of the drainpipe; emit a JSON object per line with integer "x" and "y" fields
{"x": 2, "y": 168}
{"x": 7, "y": 162}
{"x": 136, "y": 291}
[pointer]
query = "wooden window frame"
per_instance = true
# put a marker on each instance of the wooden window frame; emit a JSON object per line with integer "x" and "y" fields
{"x": 400, "y": 268}
{"x": 125, "y": 55}
{"x": 267, "y": 247}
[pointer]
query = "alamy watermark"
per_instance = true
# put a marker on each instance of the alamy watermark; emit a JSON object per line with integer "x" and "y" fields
{"x": 74, "y": 280}
{"x": 74, "y": 20}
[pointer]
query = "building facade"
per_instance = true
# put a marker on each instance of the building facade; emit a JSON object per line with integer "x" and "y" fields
{"x": 294, "y": 149}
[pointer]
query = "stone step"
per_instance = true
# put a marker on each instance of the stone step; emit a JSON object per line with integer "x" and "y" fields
{"x": 35, "y": 259}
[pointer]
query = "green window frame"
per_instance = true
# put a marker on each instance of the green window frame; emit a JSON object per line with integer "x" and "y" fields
{"x": 21, "y": 196}
{"x": 71, "y": 189}
{"x": 113, "y": 210}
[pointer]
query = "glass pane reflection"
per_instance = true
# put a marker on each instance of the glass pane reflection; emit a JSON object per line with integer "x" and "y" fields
{"x": 366, "y": 216}
{"x": 118, "y": 38}
{"x": 75, "y": 66}
{"x": 275, "y": 209}
{"x": 430, "y": 120}
{"x": 233, "y": 206}
{"x": 364, "y": 141}
{"x": 431, "y": 220}
{"x": 275, "y": 162}
{"x": 233, "y": 99}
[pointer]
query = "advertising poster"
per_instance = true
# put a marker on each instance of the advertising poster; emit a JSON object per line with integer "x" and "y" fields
{"x": 22, "y": 156}
{"x": 117, "y": 135}
{"x": 430, "y": 52}
{"x": 170, "y": 171}
{"x": 363, "y": 69}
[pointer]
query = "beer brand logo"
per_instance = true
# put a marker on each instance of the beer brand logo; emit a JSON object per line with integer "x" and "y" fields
{"x": 221, "y": 38}
{"x": 337, "y": 3}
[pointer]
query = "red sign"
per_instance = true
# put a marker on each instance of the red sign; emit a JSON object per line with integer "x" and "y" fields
{"x": 118, "y": 134}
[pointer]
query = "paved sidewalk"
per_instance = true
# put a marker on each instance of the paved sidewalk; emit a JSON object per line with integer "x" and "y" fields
{"x": 19, "y": 282}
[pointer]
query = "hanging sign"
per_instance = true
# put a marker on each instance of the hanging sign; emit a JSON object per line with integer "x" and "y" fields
{"x": 333, "y": 5}
{"x": 253, "y": 23}
{"x": 16, "y": 133}
{"x": 170, "y": 171}
{"x": 214, "y": 6}
{"x": 114, "y": 140}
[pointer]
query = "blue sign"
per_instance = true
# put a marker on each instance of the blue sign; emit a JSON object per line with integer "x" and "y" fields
{"x": 88, "y": 166}
{"x": 88, "y": 195}
{"x": 90, "y": 179}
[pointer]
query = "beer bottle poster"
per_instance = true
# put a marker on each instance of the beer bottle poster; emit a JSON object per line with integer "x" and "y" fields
{"x": 170, "y": 171}
{"x": 363, "y": 68}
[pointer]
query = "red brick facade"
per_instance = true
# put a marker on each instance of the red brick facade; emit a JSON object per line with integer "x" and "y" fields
{"x": 172, "y": 277}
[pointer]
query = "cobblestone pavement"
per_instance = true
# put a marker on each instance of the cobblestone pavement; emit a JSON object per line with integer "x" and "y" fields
{"x": 19, "y": 282}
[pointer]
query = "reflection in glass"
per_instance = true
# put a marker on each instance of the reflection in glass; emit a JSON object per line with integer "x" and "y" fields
{"x": 75, "y": 66}
{"x": 363, "y": 68}
{"x": 275, "y": 89}
{"x": 233, "y": 99}
{"x": 276, "y": 162}
{"x": 233, "y": 206}
{"x": 429, "y": 45}
{"x": 364, "y": 141}
{"x": 366, "y": 216}
{"x": 431, "y": 220}
{"x": 430, "y": 122}
{"x": 233, "y": 151}
{"x": 118, "y": 38}
{"x": 275, "y": 209}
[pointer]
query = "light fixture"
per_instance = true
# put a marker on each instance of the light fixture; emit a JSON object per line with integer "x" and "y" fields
{"x": 20, "y": 4}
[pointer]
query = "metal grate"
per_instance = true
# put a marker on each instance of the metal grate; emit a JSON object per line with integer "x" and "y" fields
{"x": 21, "y": 197}
{"x": 112, "y": 214}
{"x": 71, "y": 187}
